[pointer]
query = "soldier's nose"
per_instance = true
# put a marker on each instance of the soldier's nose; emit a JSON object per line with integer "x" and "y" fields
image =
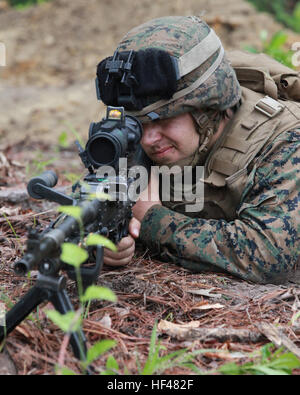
{"x": 151, "y": 135}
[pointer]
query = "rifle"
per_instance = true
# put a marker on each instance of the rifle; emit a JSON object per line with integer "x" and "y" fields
{"x": 116, "y": 136}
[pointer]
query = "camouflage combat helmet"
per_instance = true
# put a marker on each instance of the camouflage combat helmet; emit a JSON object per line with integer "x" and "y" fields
{"x": 207, "y": 79}
{"x": 206, "y": 83}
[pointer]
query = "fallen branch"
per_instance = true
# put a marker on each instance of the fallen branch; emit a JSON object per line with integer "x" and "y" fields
{"x": 276, "y": 336}
{"x": 13, "y": 195}
{"x": 188, "y": 332}
{"x": 191, "y": 331}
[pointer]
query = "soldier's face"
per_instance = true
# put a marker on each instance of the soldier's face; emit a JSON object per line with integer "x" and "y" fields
{"x": 170, "y": 140}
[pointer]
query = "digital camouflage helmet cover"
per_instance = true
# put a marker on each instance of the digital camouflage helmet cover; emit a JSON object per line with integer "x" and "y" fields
{"x": 205, "y": 79}
{"x": 169, "y": 66}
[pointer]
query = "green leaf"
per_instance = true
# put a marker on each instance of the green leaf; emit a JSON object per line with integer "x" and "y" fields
{"x": 63, "y": 140}
{"x": 175, "y": 356}
{"x": 94, "y": 239}
{"x": 95, "y": 292}
{"x": 100, "y": 196}
{"x": 286, "y": 361}
{"x": 72, "y": 211}
{"x": 251, "y": 49}
{"x": 295, "y": 318}
{"x": 98, "y": 349}
{"x": 296, "y": 14}
{"x": 112, "y": 366}
{"x": 153, "y": 356}
{"x": 69, "y": 322}
{"x": 73, "y": 255}
{"x": 266, "y": 370}
{"x": 278, "y": 40}
{"x": 193, "y": 368}
{"x": 230, "y": 369}
{"x": 152, "y": 363}
{"x": 65, "y": 371}
{"x": 153, "y": 341}
{"x": 266, "y": 352}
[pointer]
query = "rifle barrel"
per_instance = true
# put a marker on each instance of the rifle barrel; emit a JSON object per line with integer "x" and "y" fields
{"x": 52, "y": 240}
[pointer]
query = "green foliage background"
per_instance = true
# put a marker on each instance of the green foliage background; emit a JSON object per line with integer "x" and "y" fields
{"x": 25, "y": 3}
{"x": 285, "y": 11}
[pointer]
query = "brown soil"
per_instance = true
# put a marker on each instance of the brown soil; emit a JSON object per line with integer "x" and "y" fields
{"x": 46, "y": 88}
{"x": 53, "y": 50}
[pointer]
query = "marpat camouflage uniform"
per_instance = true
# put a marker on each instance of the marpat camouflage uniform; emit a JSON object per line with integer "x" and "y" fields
{"x": 258, "y": 240}
{"x": 261, "y": 244}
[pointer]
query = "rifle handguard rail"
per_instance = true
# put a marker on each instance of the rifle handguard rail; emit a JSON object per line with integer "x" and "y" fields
{"x": 52, "y": 240}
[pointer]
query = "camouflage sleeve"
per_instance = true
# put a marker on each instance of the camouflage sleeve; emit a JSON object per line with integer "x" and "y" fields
{"x": 261, "y": 244}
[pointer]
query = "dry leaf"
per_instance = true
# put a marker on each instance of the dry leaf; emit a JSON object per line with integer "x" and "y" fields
{"x": 106, "y": 321}
{"x": 3, "y": 160}
{"x": 121, "y": 311}
{"x": 204, "y": 292}
{"x": 23, "y": 331}
{"x": 207, "y": 306}
{"x": 176, "y": 330}
{"x": 225, "y": 355}
{"x": 9, "y": 212}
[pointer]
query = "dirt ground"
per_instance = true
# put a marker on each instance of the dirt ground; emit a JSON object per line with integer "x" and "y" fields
{"x": 47, "y": 88}
{"x": 53, "y": 50}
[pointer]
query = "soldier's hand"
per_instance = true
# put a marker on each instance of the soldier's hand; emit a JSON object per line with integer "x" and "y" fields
{"x": 148, "y": 198}
{"x": 126, "y": 247}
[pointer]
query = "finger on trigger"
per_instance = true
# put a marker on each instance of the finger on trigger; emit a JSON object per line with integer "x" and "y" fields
{"x": 134, "y": 227}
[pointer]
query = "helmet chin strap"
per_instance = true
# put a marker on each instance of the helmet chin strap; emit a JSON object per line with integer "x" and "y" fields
{"x": 191, "y": 160}
{"x": 207, "y": 124}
